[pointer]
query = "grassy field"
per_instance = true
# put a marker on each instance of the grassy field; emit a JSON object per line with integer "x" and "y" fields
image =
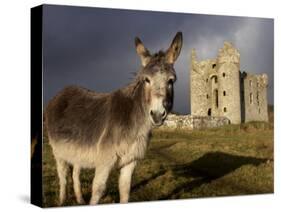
{"x": 231, "y": 160}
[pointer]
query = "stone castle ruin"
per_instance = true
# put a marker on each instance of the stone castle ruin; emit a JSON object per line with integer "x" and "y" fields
{"x": 219, "y": 88}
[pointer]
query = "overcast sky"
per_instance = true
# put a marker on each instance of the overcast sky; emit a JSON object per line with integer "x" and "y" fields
{"x": 94, "y": 47}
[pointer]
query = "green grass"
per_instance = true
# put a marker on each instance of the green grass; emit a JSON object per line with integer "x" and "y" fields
{"x": 230, "y": 160}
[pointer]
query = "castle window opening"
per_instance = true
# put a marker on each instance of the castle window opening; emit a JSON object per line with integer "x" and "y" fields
{"x": 224, "y": 109}
{"x": 258, "y": 98}
{"x": 217, "y": 98}
{"x": 214, "y": 66}
{"x": 214, "y": 79}
{"x": 209, "y": 112}
{"x": 259, "y": 110}
{"x": 207, "y": 96}
{"x": 224, "y": 93}
{"x": 207, "y": 80}
{"x": 223, "y": 74}
{"x": 251, "y": 98}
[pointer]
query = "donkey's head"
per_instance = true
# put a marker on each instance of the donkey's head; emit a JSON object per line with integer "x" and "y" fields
{"x": 158, "y": 76}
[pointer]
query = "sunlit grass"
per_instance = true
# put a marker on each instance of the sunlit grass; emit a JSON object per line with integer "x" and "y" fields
{"x": 230, "y": 160}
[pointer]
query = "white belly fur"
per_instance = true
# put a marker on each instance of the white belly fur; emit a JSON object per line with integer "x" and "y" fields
{"x": 72, "y": 153}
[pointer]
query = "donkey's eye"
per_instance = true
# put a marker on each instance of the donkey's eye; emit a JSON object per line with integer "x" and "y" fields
{"x": 147, "y": 80}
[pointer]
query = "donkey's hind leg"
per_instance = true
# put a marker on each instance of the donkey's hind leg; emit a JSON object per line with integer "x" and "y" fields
{"x": 62, "y": 172}
{"x": 76, "y": 184}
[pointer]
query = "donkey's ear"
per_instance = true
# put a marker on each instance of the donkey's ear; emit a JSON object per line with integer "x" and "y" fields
{"x": 142, "y": 52}
{"x": 174, "y": 50}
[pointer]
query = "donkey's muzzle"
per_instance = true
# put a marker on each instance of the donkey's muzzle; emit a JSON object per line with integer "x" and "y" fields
{"x": 158, "y": 117}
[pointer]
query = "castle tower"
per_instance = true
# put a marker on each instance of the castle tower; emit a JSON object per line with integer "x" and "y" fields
{"x": 198, "y": 87}
{"x": 255, "y": 95}
{"x": 228, "y": 76}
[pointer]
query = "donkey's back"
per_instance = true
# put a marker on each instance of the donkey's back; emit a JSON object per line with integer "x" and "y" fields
{"x": 76, "y": 119}
{"x": 77, "y": 115}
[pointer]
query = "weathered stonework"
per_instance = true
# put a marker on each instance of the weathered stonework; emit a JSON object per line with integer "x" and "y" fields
{"x": 255, "y": 97}
{"x": 218, "y": 88}
{"x": 190, "y": 122}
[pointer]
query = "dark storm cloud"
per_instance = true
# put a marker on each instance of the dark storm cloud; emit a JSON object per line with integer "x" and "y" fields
{"x": 94, "y": 47}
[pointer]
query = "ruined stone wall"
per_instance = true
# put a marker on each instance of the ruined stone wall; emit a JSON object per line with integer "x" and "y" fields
{"x": 189, "y": 122}
{"x": 215, "y": 85}
{"x": 219, "y": 89}
{"x": 198, "y": 87}
{"x": 255, "y": 96}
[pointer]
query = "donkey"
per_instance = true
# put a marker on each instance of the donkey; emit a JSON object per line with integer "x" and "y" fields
{"x": 87, "y": 129}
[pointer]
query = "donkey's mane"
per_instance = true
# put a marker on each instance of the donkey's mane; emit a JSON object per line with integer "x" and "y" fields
{"x": 130, "y": 89}
{"x": 158, "y": 57}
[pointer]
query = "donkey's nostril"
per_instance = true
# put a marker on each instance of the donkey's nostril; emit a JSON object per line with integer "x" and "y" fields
{"x": 151, "y": 112}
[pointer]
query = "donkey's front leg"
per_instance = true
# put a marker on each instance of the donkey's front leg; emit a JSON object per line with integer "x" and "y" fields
{"x": 77, "y": 185}
{"x": 99, "y": 183}
{"x": 126, "y": 173}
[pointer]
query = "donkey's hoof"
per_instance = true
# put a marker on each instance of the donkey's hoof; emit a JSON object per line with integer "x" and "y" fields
{"x": 60, "y": 203}
{"x": 124, "y": 200}
{"x": 93, "y": 202}
{"x": 81, "y": 201}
